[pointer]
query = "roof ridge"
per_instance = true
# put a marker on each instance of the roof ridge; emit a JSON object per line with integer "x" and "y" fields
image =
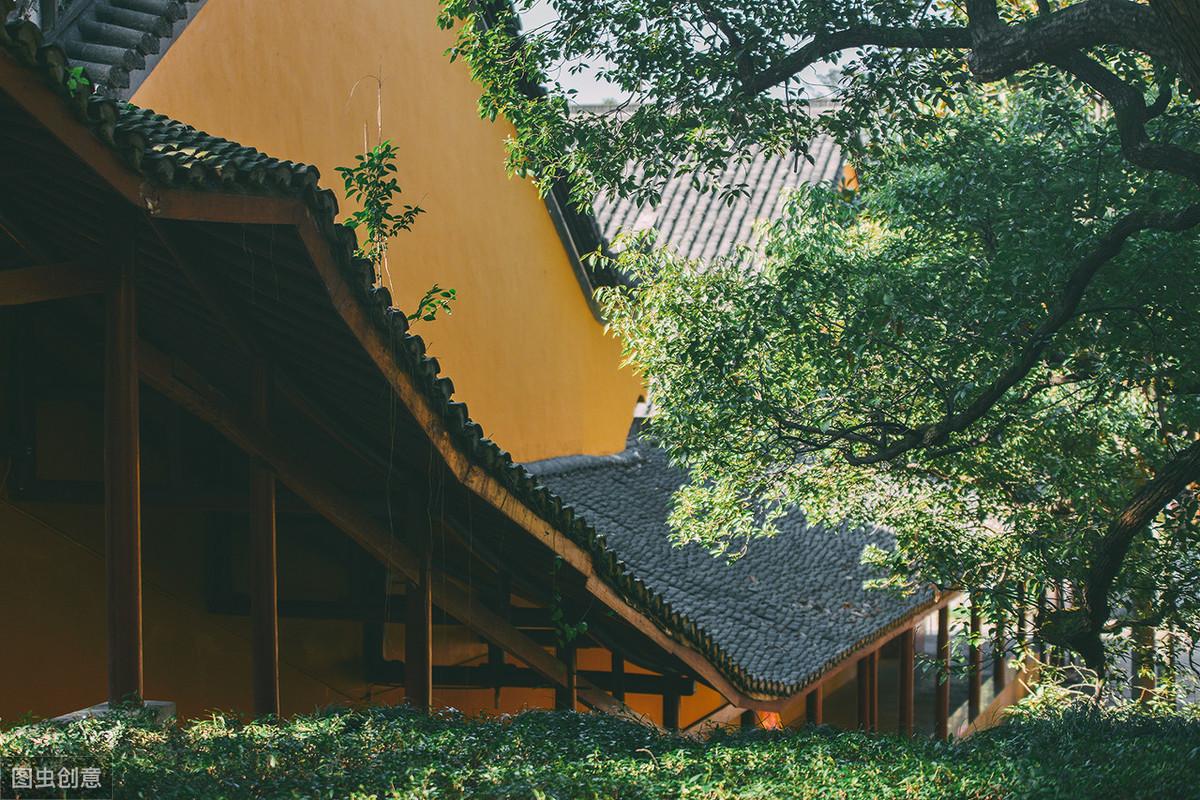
{"x": 560, "y": 465}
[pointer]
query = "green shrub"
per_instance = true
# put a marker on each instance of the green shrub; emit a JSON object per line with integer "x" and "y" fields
{"x": 1076, "y": 752}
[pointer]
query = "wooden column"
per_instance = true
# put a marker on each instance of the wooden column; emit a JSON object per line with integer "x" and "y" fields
{"x": 122, "y": 491}
{"x": 565, "y": 697}
{"x": 749, "y": 720}
{"x": 999, "y": 645}
{"x": 264, "y": 616}
{"x": 862, "y": 681}
{"x": 418, "y": 638}
{"x": 495, "y": 655}
{"x": 975, "y": 665}
{"x": 941, "y": 714}
{"x": 671, "y": 710}
{"x": 618, "y": 677}
{"x": 873, "y": 676}
{"x": 814, "y": 705}
{"x": 907, "y": 684}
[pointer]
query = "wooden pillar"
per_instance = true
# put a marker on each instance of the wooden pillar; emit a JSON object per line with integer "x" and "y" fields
{"x": 122, "y": 491}
{"x": 618, "y": 677}
{"x": 671, "y": 710}
{"x": 873, "y": 677}
{"x": 862, "y": 680}
{"x": 565, "y": 697}
{"x": 975, "y": 665}
{"x": 814, "y": 705}
{"x": 941, "y": 713}
{"x": 495, "y": 655}
{"x": 418, "y": 638}
{"x": 264, "y": 616}
{"x": 749, "y": 720}
{"x": 907, "y": 683}
{"x": 999, "y": 645}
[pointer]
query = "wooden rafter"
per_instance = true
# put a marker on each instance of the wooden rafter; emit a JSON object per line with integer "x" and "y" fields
{"x": 51, "y": 282}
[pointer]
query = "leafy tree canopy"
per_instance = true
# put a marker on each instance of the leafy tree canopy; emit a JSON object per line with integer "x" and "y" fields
{"x": 871, "y": 314}
{"x": 985, "y": 347}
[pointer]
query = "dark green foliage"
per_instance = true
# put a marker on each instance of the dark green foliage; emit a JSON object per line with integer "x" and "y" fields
{"x": 1078, "y": 752}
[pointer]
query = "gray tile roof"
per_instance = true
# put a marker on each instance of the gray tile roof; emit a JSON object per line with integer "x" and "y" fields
{"x": 788, "y": 610}
{"x": 703, "y": 226}
{"x": 120, "y": 41}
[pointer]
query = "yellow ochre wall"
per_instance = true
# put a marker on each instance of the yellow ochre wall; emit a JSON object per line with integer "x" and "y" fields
{"x": 524, "y": 351}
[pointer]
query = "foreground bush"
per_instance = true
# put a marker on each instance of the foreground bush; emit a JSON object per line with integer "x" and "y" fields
{"x": 1078, "y": 752}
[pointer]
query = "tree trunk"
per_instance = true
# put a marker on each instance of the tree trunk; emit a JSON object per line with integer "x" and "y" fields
{"x": 1181, "y": 25}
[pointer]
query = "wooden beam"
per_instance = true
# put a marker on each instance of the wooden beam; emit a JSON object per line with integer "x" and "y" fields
{"x": 51, "y": 282}
{"x": 907, "y": 683}
{"x": 482, "y": 676}
{"x": 974, "y": 666}
{"x": 567, "y": 695}
{"x": 25, "y": 239}
{"x": 862, "y": 683}
{"x": 719, "y": 717}
{"x": 814, "y": 705}
{"x": 941, "y": 713}
{"x": 298, "y": 474}
{"x": 122, "y": 486}
{"x": 264, "y": 594}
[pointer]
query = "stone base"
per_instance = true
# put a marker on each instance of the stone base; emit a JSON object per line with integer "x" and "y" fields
{"x": 164, "y": 712}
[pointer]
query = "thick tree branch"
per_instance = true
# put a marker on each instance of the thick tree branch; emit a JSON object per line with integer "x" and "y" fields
{"x": 997, "y": 50}
{"x": 1145, "y": 505}
{"x": 1131, "y": 114}
{"x": 829, "y": 43}
{"x": 1107, "y": 248}
{"x": 1181, "y": 27}
{"x": 1007, "y": 49}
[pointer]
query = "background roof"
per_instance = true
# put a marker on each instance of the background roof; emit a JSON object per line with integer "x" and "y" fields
{"x": 701, "y": 225}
